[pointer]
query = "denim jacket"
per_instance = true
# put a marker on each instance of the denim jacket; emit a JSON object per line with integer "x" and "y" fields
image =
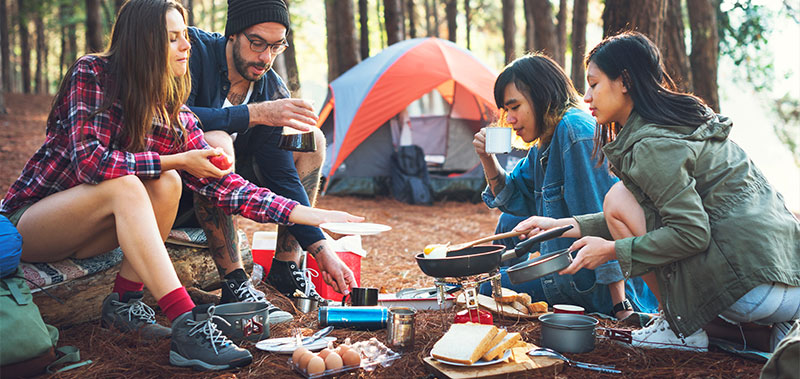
{"x": 562, "y": 180}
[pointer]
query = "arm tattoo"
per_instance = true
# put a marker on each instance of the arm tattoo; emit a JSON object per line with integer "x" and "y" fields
{"x": 317, "y": 250}
{"x": 497, "y": 183}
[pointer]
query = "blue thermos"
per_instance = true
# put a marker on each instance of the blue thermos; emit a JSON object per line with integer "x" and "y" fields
{"x": 362, "y": 318}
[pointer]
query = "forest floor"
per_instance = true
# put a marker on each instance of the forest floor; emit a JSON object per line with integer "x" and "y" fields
{"x": 389, "y": 264}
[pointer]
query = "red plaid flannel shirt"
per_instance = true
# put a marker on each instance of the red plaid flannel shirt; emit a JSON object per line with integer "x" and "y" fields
{"x": 79, "y": 150}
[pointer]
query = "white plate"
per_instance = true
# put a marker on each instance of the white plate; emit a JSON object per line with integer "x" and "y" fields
{"x": 480, "y": 362}
{"x": 275, "y": 345}
{"x": 355, "y": 228}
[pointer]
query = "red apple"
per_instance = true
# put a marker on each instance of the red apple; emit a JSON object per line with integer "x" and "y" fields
{"x": 221, "y": 161}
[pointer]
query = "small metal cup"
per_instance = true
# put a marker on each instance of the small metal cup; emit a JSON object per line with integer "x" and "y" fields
{"x": 305, "y": 304}
{"x": 401, "y": 328}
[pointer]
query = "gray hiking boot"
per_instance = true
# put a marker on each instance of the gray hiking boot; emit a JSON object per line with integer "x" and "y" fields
{"x": 130, "y": 314}
{"x": 236, "y": 287}
{"x": 197, "y": 343}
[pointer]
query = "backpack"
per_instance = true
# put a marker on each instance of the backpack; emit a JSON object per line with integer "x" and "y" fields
{"x": 410, "y": 182}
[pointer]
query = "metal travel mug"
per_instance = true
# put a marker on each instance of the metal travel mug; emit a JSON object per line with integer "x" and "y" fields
{"x": 362, "y": 318}
{"x": 401, "y": 328}
{"x": 362, "y": 296}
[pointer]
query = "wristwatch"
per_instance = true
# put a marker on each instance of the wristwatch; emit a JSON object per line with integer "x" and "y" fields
{"x": 624, "y": 305}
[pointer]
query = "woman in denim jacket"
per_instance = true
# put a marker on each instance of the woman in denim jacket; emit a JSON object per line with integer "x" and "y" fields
{"x": 692, "y": 214}
{"x": 557, "y": 179}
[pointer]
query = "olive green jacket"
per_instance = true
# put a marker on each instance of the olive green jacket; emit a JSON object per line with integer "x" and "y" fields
{"x": 715, "y": 227}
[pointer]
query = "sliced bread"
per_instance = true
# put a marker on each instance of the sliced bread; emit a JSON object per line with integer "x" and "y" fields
{"x": 538, "y": 307}
{"x": 500, "y": 348}
{"x": 464, "y": 343}
{"x": 506, "y": 296}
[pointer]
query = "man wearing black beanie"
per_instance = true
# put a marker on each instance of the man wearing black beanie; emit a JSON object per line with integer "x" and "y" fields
{"x": 242, "y": 105}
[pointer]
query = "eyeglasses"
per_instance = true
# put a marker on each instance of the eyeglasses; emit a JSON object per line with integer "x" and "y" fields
{"x": 258, "y": 45}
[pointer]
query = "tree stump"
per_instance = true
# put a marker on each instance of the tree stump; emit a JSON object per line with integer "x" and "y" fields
{"x": 84, "y": 296}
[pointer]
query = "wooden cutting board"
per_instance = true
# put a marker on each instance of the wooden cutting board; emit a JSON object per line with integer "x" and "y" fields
{"x": 488, "y": 303}
{"x": 526, "y": 363}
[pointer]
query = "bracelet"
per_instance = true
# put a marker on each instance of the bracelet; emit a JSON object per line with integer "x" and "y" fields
{"x": 624, "y": 305}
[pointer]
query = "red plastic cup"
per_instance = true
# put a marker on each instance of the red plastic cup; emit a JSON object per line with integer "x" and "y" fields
{"x": 567, "y": 308}
{"x": 474, "y": 315}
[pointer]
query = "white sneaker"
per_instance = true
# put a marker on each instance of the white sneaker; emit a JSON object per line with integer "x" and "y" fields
{"x": 659, "y": 335}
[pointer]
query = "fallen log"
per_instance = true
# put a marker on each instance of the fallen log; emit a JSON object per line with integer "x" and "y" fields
{"x": 83, "y": 297}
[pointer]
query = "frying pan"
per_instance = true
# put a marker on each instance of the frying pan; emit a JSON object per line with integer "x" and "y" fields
{"x": 538, "y": 267}
{"x": 482, "y": 258}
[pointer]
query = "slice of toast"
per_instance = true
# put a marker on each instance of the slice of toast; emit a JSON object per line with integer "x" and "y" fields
{"x": 507, "y": 296}
{"x": 497, "y": 350}
{"x": 464, "y": 343}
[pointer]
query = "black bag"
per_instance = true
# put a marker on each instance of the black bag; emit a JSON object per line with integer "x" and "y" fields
{"x": 410, "y": 182}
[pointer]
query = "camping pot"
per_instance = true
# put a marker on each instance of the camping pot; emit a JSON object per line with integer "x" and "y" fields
{"x": 568, "y": 333}
{"x": 248, "y": 321}
{"x": 538, "y": 267}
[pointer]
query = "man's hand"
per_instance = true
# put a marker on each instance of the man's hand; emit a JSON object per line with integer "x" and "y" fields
{"x": 333, "y": 270}
{"x": 294, "y": 113}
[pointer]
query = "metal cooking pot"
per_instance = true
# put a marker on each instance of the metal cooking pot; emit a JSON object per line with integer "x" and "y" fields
{"x": 482, "y": 258}
{"x": 539, "y": 267}
{"x": 568, "y": 333}
{"x": 248, "y": 321}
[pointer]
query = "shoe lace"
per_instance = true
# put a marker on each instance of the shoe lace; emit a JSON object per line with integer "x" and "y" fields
{"x": 136, "y": 310}
{"x": 209, "y": 329}
{"x": 303, "y": 278}
{"x": 246, "y": 293}
{"x": 655, "y": 324}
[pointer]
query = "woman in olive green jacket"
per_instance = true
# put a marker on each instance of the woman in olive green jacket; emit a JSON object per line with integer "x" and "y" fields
{"x": 692, "y": 214}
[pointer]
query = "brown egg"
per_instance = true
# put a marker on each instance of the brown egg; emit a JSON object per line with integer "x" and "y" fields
{"x": 298, "y": 353}
{"x": 324, "y": 353}
{"x": 315, "y": 366}
{"x": 342, "y": 349}
{"x": 303, "y": 362}
{"x": 351, "y": 358}
{"x": 333, "y": 361}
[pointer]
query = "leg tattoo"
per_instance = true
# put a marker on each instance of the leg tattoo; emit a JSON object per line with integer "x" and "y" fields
{"x": 220, "y": 230}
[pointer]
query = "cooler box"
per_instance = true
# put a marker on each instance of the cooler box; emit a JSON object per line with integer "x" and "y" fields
{"x": 348, "y": 249}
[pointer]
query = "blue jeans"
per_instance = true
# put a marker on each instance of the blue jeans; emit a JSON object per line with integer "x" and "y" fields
{"x": 579, "y": 289}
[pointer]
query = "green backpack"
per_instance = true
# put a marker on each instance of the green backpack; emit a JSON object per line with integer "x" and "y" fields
{"x": 27, "y": 344}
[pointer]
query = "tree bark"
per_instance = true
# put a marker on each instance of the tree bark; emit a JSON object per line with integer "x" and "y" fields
{"x": 561, "y": 34}
{"x": 580, "y": 11}
{"x": 412, "y": 19}
{"x": 428, "y": 26}
{"x": 544, "y": 29}
{"x": 394, "y": 26}
{"x": 435, "y": 9}
{"x": 290, "y": 62}
{"x": 331, "y": 29}
{"x": 41, "y": 54}
{"x": 509, "y": 30}
{"x": 673, "y": 50}
{"x": 94, "y": 27}
{"x": 25, "y": 49}
{"x": 530, "y": 36}
{"x": 342, "y": 49}
{"x": 189, "y": 5}
{"x": 705, "y": 50}
{"x": 5, "y": 47}
{"x": 363, "y": 19}
{"x": 645, "y": 16}
{"x": 451, "y": 11}
{"x": 468, "y": 18}
{"x": 69, "y": 44}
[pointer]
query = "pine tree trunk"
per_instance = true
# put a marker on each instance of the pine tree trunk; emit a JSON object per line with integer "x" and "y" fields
{"x": 544, "y": 29}
{"x": 580, "y": 11}
{"x": 561, "y": 34}
{"x": 363, "y": 14}
{"x": 5, "y": 47}
{"x": 705, "y": 50}
{"x": 189, "y": 5}
{"x": 451, "y": 11}
{"x": 644, "y": 16}
{"x": 94, "y": 27}
{"x": 346, "y": 38}
{"x": 331, "y": 29}
{"x": 394, "y": 27}
{"x": 673, "y": 50}
{"x": 509, "y": 30}
{"x": 435, "y": 8}
{"x": 25, "y": 48}
{"x": 41, "y": 55}
{"x": 428, "y": 25}
{"x": 412, "y": 19}
{"x": 290, "y": 62}
{"x": 530, "y": 36}
{"x": 2, "y": 100}
{"x": 468, "y": 26}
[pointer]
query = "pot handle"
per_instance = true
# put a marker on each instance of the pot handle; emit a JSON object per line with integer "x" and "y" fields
{"x": 524, "y": 247}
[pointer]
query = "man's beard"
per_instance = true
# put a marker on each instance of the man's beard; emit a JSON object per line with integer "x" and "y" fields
{"x": 242, "y": 66}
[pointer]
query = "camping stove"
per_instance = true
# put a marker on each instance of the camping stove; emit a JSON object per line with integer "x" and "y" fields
{"x": 469, "y": 285}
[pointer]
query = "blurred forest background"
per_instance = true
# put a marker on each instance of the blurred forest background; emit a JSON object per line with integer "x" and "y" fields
{"x": 40, "y": 39}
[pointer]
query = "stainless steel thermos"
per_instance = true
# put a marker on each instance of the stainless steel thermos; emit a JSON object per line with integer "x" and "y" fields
{"x": 363, "y": 318}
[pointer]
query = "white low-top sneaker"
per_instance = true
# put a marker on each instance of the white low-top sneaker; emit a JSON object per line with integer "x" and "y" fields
{"x": 659, "y": 335}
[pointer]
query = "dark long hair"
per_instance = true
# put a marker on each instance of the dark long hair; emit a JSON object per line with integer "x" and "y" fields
{"x": 545, "y": 85}
{"x": 138, "y": 73}
{"x": 637, "y": 60}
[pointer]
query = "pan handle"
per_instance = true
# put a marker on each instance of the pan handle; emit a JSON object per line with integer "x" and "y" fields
{"x": 524, "y": 247}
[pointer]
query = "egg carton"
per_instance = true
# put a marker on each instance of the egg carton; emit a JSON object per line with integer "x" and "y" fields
{"x": 373, "y": 354}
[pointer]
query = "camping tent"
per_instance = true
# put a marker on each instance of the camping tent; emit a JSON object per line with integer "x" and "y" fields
{"x": 362, "y": 101}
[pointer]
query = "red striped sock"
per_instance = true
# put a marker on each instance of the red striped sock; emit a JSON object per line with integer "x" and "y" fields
{"x": 122, "y": 285}
{"x": 176, "y": 303}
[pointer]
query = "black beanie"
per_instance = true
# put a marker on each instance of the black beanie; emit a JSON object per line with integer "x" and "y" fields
{"x": 244, "y": 13}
